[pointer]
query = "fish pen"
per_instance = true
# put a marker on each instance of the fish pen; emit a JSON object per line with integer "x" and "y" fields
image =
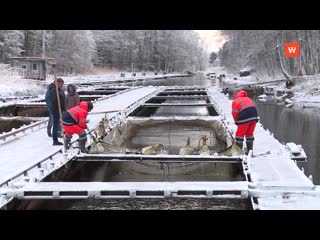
{"x": 181, "y": 153}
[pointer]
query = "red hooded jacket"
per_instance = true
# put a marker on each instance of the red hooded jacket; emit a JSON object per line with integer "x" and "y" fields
{"x": 243, "y": 108}
{"x": 76, "y": 115}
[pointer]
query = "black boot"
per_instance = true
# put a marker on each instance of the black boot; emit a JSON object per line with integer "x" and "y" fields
{"x": 249, "y": 147}
{"x": 57, "y": 143}
{"x": 82, "y": 145}
{"x": 68, "y": 143}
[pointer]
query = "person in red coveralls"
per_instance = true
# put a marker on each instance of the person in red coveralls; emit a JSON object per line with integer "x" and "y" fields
{"x": 75, "y": 122}
{"x": 245, "y": 116}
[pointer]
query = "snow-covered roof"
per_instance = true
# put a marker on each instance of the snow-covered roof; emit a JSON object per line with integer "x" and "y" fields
{"x": 247, "y": 69}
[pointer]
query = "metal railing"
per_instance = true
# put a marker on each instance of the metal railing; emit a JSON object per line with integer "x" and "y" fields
{"x": 25, "y": 171}
{"x": 22, "y": 129}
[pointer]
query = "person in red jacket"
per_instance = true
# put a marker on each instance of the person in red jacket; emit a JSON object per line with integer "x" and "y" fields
{"x": 75, "y": 122}
{"x": 245, "y": 115}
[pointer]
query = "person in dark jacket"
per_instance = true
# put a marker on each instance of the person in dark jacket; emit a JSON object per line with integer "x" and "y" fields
{"x": 48, "y": 102}
{"x": 55, "y": 107}
{"x": 245, "y": 115}
{"x": 75, "y": 122}
{"x": 73, "y": 98}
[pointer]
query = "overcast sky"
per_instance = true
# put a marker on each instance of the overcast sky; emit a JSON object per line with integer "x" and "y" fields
{"x": 212, "y": 38}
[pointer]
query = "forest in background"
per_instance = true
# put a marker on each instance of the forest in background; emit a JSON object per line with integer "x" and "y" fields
{"x": 264, "y": 51}
{"x": 79, "y": 51}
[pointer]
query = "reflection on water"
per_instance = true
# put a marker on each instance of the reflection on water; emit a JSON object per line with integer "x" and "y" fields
{"x": 134, "y": 204}
{"x": 182, "y": 111}
{"x": 298, "y": 126}
{"x": 174, "y": 172}
{"x": 148, "y": 172}
{"x": 162, "y": 204}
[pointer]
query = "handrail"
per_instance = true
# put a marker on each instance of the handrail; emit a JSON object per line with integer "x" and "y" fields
{"x": 56, "y": 152}
{"x": 29, "y": 168}
{"x": 22, "y": 129}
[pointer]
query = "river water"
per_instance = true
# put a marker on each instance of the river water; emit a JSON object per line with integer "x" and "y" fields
{"x": 298, "y": 126}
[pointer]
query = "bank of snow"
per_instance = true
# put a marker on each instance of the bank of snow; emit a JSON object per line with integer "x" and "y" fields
{"x": 306, "y": 92}
{"x": 14, "y": 86}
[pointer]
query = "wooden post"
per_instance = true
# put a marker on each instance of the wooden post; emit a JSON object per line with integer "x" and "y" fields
{"x": 59, "y": 107}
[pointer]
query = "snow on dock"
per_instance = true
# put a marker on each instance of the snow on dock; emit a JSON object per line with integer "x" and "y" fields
{"x": 271, "y": 169}
{"x": 26, "y": 149}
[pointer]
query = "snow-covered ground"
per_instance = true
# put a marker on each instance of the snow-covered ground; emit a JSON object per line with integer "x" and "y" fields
{"x": 15, "y": 86}
{"x": 306, "y": 92}
{"x": 111, "y": 77}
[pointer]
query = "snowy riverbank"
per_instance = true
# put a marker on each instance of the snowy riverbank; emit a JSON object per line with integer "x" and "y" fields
{"x": 306, "y": 93}
{"x": 14, "y": 86}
